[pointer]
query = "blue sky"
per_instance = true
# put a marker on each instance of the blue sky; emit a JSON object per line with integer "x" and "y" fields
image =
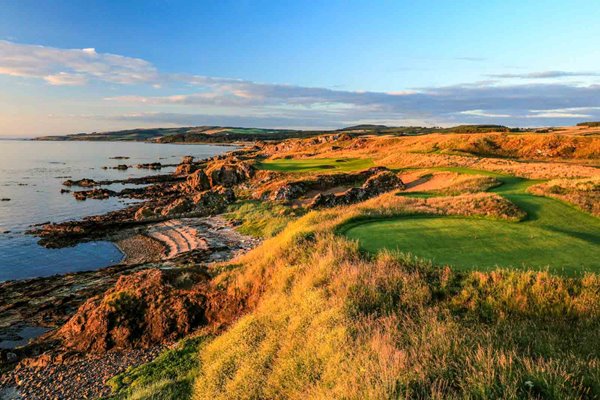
{"x": 70, "y": 66}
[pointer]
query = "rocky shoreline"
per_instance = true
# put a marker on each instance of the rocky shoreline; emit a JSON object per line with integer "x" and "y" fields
{"x": 163, "y": 290}
{"x": 176, "y": 231}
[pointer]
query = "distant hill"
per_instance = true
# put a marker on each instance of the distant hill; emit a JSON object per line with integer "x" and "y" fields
{"x": 209, "y": 134}
{"x": 221, "y": 134}
{"x": 591, "y": 124}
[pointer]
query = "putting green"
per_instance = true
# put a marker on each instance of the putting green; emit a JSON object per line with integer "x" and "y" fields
{"x": 554, "y": 235}
{"x": 316, "y": 164}
{"x": 470, "y": 243}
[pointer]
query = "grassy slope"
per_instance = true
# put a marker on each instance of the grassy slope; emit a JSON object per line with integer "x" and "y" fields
{"x": 170, "y": 376}
{"x": 554, "y": 234}
{"x": 333, "y": 324}
{"x": 316, "y": 164}
{"x": 330, "y": 322}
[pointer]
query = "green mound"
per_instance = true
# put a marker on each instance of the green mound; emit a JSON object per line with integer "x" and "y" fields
{"x": 469, "y": 243}
{"x": 316, "y": 164}
{"x": 554, "y": 235}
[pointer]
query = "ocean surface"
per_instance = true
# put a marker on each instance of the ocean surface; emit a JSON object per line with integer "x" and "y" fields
{"x": 31, "y": 176}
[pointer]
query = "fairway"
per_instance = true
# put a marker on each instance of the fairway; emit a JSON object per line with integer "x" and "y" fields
{"x": 316, "y": 164}
{"x": 469, "y": 243}
{"x": 554, "y": 235}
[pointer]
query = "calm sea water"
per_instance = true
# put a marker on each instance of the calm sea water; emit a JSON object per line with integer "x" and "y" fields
{"x": 31, "y": 174}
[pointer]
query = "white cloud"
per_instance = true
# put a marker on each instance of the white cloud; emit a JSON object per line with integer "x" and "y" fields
{"x": 237, "y": 98}
{"x": 558, "y": 115}
{"x": 546, "y": 75}
{"x": 482, "y": 113}
{"x": 64, "y": 78}
{"x": 72, "y": 66}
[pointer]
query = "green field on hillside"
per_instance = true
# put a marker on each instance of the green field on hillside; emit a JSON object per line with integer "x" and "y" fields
{"x": 316, "y": 164}
{"x": 554, "y": 235}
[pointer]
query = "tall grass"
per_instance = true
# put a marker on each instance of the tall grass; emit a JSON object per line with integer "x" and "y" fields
{"x": 330, "y": 322}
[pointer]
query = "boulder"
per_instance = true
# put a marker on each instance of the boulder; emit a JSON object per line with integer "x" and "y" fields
{"x": 290, "y": 191}
{"x": 213, "y": 201}
{"x": 375, "y": 185}
{"x": 181, "y": 205}
{"x": 81, "y": 182}
{"x": 144, "y": 212}
{"x": 229, "y": 172}
{"x": 383, "y": 182}
{"x": 143, "y": 309}
{"x": 196, "y": 181}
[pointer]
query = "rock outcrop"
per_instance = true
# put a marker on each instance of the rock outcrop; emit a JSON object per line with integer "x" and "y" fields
{"x": 94, "y": 194}
{"x": 186, "y": 166}
{"x": 196, "y": 181}
{"x": 229, "y": 172}
{"x": 81, "y": 182}
{"x": 384, "y": 181}
{"x": 143, "y": 309}
{"x": 293, "y": 190}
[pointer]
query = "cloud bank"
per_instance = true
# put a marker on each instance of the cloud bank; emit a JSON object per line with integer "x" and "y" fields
{"x": 244, "y": 102}
{"x": 72, "y": 66}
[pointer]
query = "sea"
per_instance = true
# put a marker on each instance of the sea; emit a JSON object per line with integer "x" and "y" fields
{"x": 31, "y": 176}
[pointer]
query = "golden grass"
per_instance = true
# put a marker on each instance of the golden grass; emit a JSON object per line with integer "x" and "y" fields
{"x": 424, "y": 152}
{"x": 583, "y": 193}
{"x": 328, "y": 322}
{"x": 332, "y": 324}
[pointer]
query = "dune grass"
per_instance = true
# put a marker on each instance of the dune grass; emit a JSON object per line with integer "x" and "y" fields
{"x": 332, "y": 323}
{"x": 316, "y": 164}
{"x": 554, "y": 234}
{"x": 259, "y": 218}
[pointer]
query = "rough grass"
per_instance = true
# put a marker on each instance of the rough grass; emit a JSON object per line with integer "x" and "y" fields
{"x": 583, "y": 193}
{"x": 330, "y": 323}
{"x": 170, "y": 376}
{"x": 260, "y": 218}
{"x": 316, "y": 164}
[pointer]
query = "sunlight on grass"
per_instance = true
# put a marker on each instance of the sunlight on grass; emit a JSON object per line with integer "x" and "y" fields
{"x": 316, "y": 164}
{"x": 469, "y": 243}
{"x": 553, "y": 235}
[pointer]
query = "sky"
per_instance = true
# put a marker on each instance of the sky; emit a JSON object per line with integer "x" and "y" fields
{"x": 73, "y": 66}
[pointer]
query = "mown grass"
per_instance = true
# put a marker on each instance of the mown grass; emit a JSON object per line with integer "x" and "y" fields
{"x": 554, "y": 234}
{"x": 316, "y": 164}
{"x": 470, "y": 243}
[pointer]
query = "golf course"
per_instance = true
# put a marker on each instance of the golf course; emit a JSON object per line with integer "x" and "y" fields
{"x": 554, "y": 236}
{"x": 316, "y": 164}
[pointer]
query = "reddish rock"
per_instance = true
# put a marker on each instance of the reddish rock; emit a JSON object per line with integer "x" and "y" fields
{"x": 144, "y": 212}
{"x": 179, "y": 206}
{"x": 229, "y": 172}
{"x": 382, "y": 182}
{"x": 143, "y": 309}
{"x": 80, "y": 182}
{"x": 197, "y": 181}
